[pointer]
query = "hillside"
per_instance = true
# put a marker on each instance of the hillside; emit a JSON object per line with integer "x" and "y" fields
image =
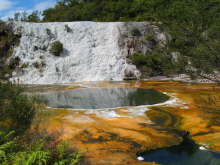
{"x": 193, "y": 25}
{"x": 192, "y": 28}
{"x": 91, "y": 51}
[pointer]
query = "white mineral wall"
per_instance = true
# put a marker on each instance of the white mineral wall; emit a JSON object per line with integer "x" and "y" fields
{"x": 92, "y": 52}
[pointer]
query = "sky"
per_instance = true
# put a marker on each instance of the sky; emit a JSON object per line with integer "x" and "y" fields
{"x": 9, "y": 7}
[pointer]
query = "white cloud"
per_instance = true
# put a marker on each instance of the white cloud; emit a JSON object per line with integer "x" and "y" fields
{"x": 44, "y": 5}
{"x": 5, "y": 5}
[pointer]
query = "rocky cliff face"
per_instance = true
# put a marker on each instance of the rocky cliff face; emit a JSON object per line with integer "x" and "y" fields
{"x": 92, "y": 51}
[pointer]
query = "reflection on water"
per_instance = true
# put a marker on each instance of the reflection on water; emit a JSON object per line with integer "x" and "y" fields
{"x": 187, "y": 153}
{"x": 98, "y": 98}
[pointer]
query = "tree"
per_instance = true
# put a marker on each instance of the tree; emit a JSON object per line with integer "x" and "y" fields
{"x": 19, "y": 16}
{"x": 34, "y": 17}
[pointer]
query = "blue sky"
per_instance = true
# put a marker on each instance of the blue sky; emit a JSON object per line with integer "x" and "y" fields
{"x": 9, "y": 7}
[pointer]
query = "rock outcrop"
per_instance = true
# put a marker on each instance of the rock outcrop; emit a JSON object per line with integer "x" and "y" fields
{"x": 92, "y": 51}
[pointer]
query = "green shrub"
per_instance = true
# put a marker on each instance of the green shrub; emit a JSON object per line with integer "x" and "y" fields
{"x": 139, "y": 59}
{"x": 56, "y": 48}
{"x": 154, "y": 64}
{"x": 65, "y": 155}
{"x": 8, "y": 40}
{"x": 14, "y": 62}
{"x": 16, "y": 109}
{"x": 136, "y": 32}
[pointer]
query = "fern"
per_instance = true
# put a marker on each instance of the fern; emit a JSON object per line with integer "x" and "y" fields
{"x": 9, "y": 135}
{"x": 76, "y": 157}
{"x": 32, "y": 158}
{"x": 61, "y": 162}
{"x": 17, "y": 158}
{"x": 61, "y": 148}
{"x": 5, "y": 136}
{"x": 39, "y": 158}
{"x": 65, "y": 156}
{"x": 12, "y": 153}
{"x": 2, "y": 156}
{"x": 7, "y": 146}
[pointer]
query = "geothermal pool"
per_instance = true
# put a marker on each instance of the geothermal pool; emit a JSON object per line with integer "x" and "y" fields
{"x": 115, "y": 121}
{"x": 187, "y": 153}
{"x": 100, "y": 98}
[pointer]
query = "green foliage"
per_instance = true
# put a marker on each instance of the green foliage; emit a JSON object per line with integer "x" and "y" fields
{"x": 6, "y": 145}
{"x": 8, "y": 40}
{"x": 94, "y": 10}
{"x": 31, "y": 158}
{"x": 136, "y": 32}
{"x": 14, "y": 62}
{"x": 16, "y": 109}
{"x": 26, "y": 17}
{"x": 34, "y": 17}
{"x": 15, "y": 153}
{"x": 56, "y": 48}
{"x": 153, "y": 64}
{"x": 65, "y": 156}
